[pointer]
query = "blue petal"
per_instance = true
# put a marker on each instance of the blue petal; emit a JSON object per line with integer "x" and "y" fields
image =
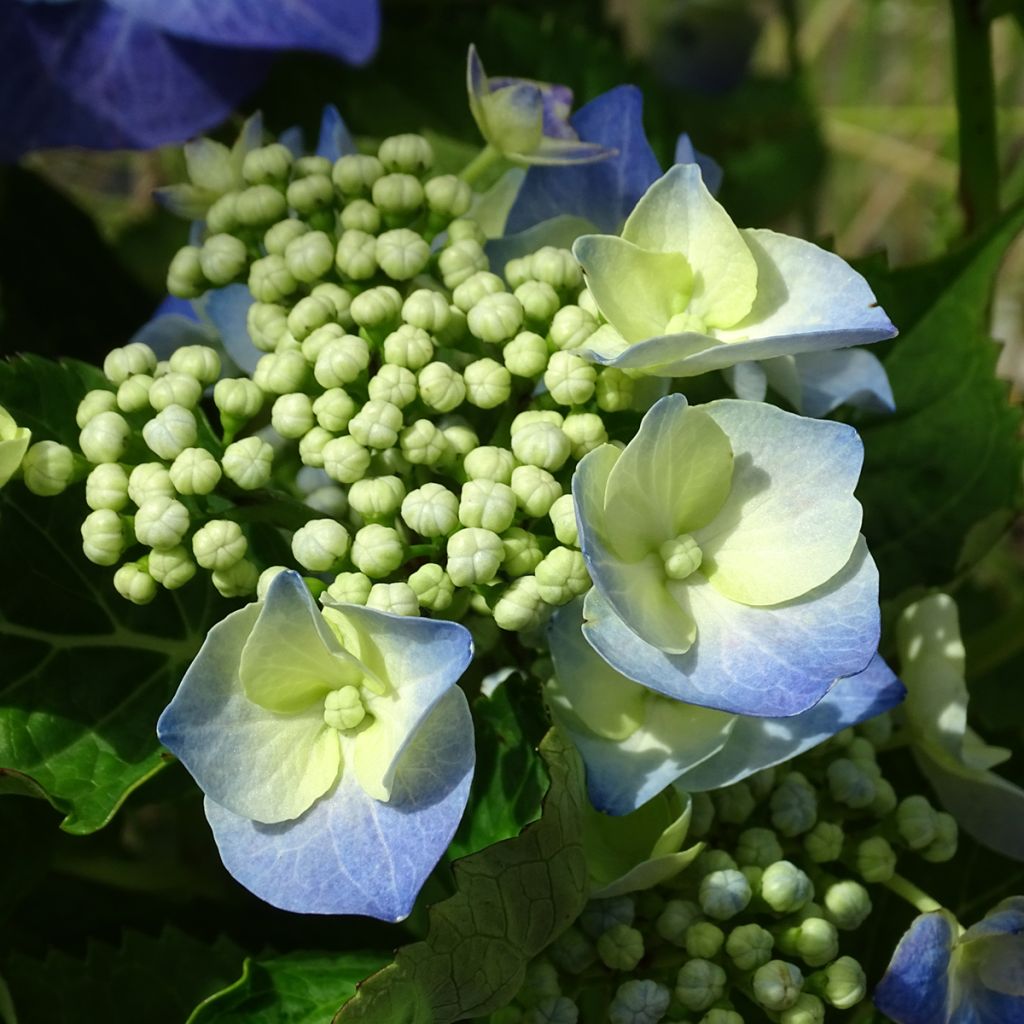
{"x": 772, "y": 661}
{"x": 602, "y": 193}
{"x": 86, "y": 74}
{"x": 827, "y": 380}
{"x": 173, "y": 325}
{"x": 758, "y": 743}
{"x": 349, "y": 29}
{"x": 1006, "y": 918}
{"x": 916, "y": 985}
{"x": 710, "y": 171}
{"x": 350, "y": 854}
{"x": 227, "y": 309}
{"x": 335, "y": 139}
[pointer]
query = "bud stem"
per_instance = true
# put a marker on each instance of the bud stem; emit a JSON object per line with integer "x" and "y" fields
{"x": 480, "y": 164}
{"x": 916, "y": 897}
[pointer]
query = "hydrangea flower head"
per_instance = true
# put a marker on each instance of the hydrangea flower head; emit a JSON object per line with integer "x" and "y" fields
{"x": 723, "y": 542}
{"x": 333, "y": 746}
{"x": 941, "y": 974}
{"x": 685, "y": 291}
{"x": 14, "y": 442}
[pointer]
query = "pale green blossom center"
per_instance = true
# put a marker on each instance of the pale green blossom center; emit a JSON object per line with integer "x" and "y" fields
{"x": 681, "y": 556}
{"x": 344, "y": 708}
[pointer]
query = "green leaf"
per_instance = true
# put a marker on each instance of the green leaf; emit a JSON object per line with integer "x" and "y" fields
{"x": 299, "y": 988}
{"x": 512, "y": 900}
{"x": 944, "y": 470}
{"x": 153, "y": 979}
{"x": 85, "y": 673}
{"x": 509, "y": 780}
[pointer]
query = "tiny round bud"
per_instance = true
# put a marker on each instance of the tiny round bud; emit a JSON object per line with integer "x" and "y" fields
{"x": 520, "y": 606}
{"x": 749, "y": 946}
{"x": 341, "y": 361}
{"x": 423, "y": 443}
{"x": 441, "y": 387}
{"x": 807, "y": 1009}
{"x": 185, "y": 278}
{"x": 431, "y": 510}
{"x": 734, "y": 804}
{"x": 103, "y": 537}
{"x": 238, "y": 580}
{"x": 600, "y": 915}
{"x": 355, "y": 174}
{"x": 47, "y": 468}
{"x": 333, "y": 409}
{"x": 915, "y": 821}
{"x": 777, "y": 984}
{"x": 572, "y": 951}
{"x": 350, "y": 588}
{"x": 848, "y": 904}
{"x": 758, "y": 847}
{"x": 817, "y": 942}
{"x": 311, "y": 194}
{"x": 459, "y": 435}
{"x": 248, "y": 462}
{"x": 699, "y": 983}
{"x": 267, "y": 324}
{"x": 448, "y": 196}
{"x": 267, "y": 165}
{"x": 885, "y": 799}
{"x": 569, "y": 379}
{"x": 377, "y": 307}
{"x": 824, "y": 843}
{"x": 526, "y": 355}
{"x": 134, "y": 584}
{"x": 704, "y": 939}
{"x": 474, "y": 556}
{"x": 409, "y": 347}
{"x": 487, "y": 504}
{"x": 106, "y": 487}
{"x": 395, "y": 385}
{"x": 377, "y": 498}
{"x": 309, "y": 257}
{"x": 460, "y": 260}
{"x": 401, "y": 254}
{"x": 238, "y": 399}
{"x": 490, "y": 463}
{"x": 292, "y": 415}
{"x": 397, "y": 598}
{"x": 376, "y": 425}
{"x": 171, "y": 567}
{"x": 717, "y": 1015}
{"x": 223, "y": 259}
{"x": 536, "y": 489}
{"x": 621, "y": 947}
{"x": 639, "y": 1002}
{"x": 563, "y": 518}
{"x": 320, "y": 544}
{"x": 556, "y": 267}
{"x": 105, "y": 437}
{"x": 794, "y": 806}
{"x": 345, "y": 460}
{"x": 161, "y": 522}
{"x": 174, "y": 388}
{"x": 522, "y": 553}
{"x": 339, "y": 298}
{"x": 270, "y": 279}
{"x": 723, "y": 894}
{"x": 541, "y": 444}
{"x": 259, "y": 206}
{"x": 562, "y": 575}
{"x": 133, "y": 393}
{"x": 517, "y": 271}
{"x": 377, "y": 550}
{"x": 433, "y": 587}
{"x": 876, "y": 859}
{"x": 219, "y": 544}
{"x": 571, "y": 327}
{"x": 149, "y": 480}
{"x": 845, "y": 983}
{"x": 586, "y": 432}
{"x": 356, "y": 254}
{"x": 92, "y": 404}
{"x": 944, "y": 846}
{"x": 360, "y": 215}
{"x": 495, "y": 318}
{"x": 488, "y": 383}
{"x": 849, "y": 784}
{"x": 195, "y": 471}
{"x": 476, "y": 288}
{"x": 540, "y": 302}
{"x": 614, "y": 390}
{"x": 785, "y": 888}
{"x": 427, "y": 310}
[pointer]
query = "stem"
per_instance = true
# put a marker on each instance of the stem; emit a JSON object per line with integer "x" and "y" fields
{"x": 916, "y": 897}
{"x": 480, "y": 164}
{"x": 976, "y": 114}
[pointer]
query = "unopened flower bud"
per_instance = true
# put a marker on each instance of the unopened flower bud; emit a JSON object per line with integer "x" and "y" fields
{"x": 223, "y": 259}
{"x": 460, "y": 260}
{"x": 170, "y": 432}
{"x": 267, "y": 324}
{"x": 794, "y": 806}
{"x": 845, "y": 983}
{"x": 639, "y": 1002}
{"x": 397, "y": 598}
{"x": 816, "y": 941}
{"x": 106, "y": 487}
{"x": 377, "y": 308}
{"x": 161, "y": 522}
{"x": 540, "y": 982}
{"x": 723, "y": 894}
{"x": 103, "y": 537}
{"x": 848, "y": 904}
{"x": 536, "y": 490}
{"x": 526, "y": 355}
{"x": 320, "y": 544}
{"x": 704, "y": 940}
{"x": 423, "y": 443}
{"x": 699, "y": 983}
{"x": 219, "y": 544}
{"x": 570, "y": 329}
{"x": 171, "y": 567}
{"x": 341, "y": 361}
{"x": 777, "y": 985}
{"x": 824, "y": 843}
{"x": 433, "y": 587}
{"x": 309, "y": 257}
{"x": 401, "y": 254}
{"x": 311, "y": 194}
{"x": 541, "y": 444}
{"x": 540, "y": 302}
{"x": 585, "y": 431}
{"x": 563, "y": 518}
{"x": 350, "y": 588}
{"x": 376, "y": 425}
{"x": 92, "y": 404}
{"x": 916, "y": 822}
{"x": 267, "y": 165}
{"x": 397, "y": 195}
{"x": 474, "y": 556}
{"x": 237, "y": 580}
{"x": 876, "y": 859}
{"x": 278, "y": 235}
{"x": 356, "y": 254}
{"x": 758, "y": 846}
{"x": 441, "y": 387}
{"x": 520, "y": 606}
{"x": 943, "y": 848}
{"x": 185, "y": 277}
{"x": 807, "y": 1009}
{"x": 248, "y": 463}
{"x": 339, "y": 297}
{"x": 259, "y": 206}
{"x": 395, "y": 385}
{"x": 675, "y": 919}
{"x": 476, "y": 289}
{"x": 614, "y": 390}
{"x": 522, "y": 552}
{"x": 360, "y": 215}
{"x": 195, "y": 471}
{"x": 488, "y": 383}
{"x": 735, "y": 804}
{"x": 785, "y": 888}
{"x": 556, "y": 267}
{"x": 408, "y": 347}
{"x": 461, "y": 437}
{"x": 355, "y": 174}
{"x": 621, "y": 947}
{"x": 702, "y": 815}
{"x": 718, "y": 1015}
{"x": 377, "y": 550}
{"x": 448, "y": 196}
{"x": 562, "y": 575}
{"x": 487, "y": 504}
{"x": 494, "y": 318}
{"x": 431, "y": 510}
{"x": 105, "y": 437}
{"x": 47, "y": 468}
{"x": 149, "y": 480}
{"x": 134, "y": 584}
{"x": 174, "y": 388}
{"x": 749, "y": 946}
{"x": 270, "y": 279}
{"x": 849, "y": 784}
{"x": 133, "y": 393}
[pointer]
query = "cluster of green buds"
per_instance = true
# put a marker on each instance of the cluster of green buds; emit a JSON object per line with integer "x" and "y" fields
{"x": 755, "y": 927}
{"x": 427, "y": 412}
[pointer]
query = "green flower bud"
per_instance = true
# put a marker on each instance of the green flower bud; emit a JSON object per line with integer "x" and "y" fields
{"x": 149, "y": 480}
{"x": 621, "y": 947}
{"x": 713, "y": 860}
{"x": 356, "y": 255}
{"x": 341, "y": 361}
{"x": 377, "y": 550}
{"x": 106, "y": 487}
{"x": 350, "y": 588}
{"x": 433, "y": 587}
{"x": 717, "y": 1015}
{"x": 270, "y": 280}
{"x": 526, "y": 355}
{"x": 572, "y": 951}
{"x": 441, "y": 387}
{"x": 517, "y": 271}
{"x": 723, "y": 894}
{"x": 238, "y": 580}
{"x": 486, "y": 504}
{"x": 174, "y": 389}
{"x": 397, "y": 598}
{"x": 459, "y": 261}
{"x": 824, "y": 843}
{"x": 398, "y": 195}
{"x": 876, "y": 859}
{"x": 807, "y": 1009}
{"x": 427, "y": 310}
{"x": 266, "y": 578}
{"x": 134, "y": 584}
{"x": 704, "y": 939}
{"x": 431, "y": 510}
{"x": 749, "y": 946}
{"x": 488, "y": 383}
{"x": 699, "y": 983}
{"x": 540, "y": 302}
{"x": 103, "y": 536}
{"x": 943, "y": 848}
{"x": 639, "y": 1002}
{"x": 675, "y": 919}
{"x": 171, "y": 567}
{"x": 541, "y": 444}
{"x": 845, "y": 983}
{"x": 785, "y": 888}
{"x": 408, "y": 347}
{"x": 311, "y": 446}
{"x": 816, "y": 941}
{"x": 848, "y": 904}
{"x": 539, "y": 983}
{"x": 401, "y": 254}
{"x": 861, "y": 751}
{"x": 735, "y": 804}
{"x": 460, "y": 436}
{"x": 585, "y": 432}
{"x": 885, "y": 799}
{"x": 376, "y": 425}
{"x": 563, "y": 518}
{"x": 222, "y": 216}
{"x": 305, "y": 166}
{"x": 474, "y": 556}
{"x": 585, "y": 300}
{"x": 794, "y": 806}
{"x": 354, "y": 175}
{"x": 777, "y": 985}
{"x": 600, "y": 915}
{"x": 309, "y": 257}
{"x": 377, "y": 497}
{"x": 105, "y": 437}
{"x": 758, "y": 846}
{"x": 133, "y": 393}
{"x": 570, "y": 328}
{"x": 267, "y": 324}
{"x": 377, "y": 307}
{"x": 562, "y": 575}
{"x": 702, "y": 815}
{"x": 311, "y": 194}
{"x": 92, "y": 404}
{"x": 463, "y": 228}
{"x": 338, "y": 297}
{"x": 345, "y": 460}
{"x": 476, "y": 288}
{"x": 185, "y": 278}
{"x": 161, "y": 522}
{"x": 849, "y": 784}
{"x": 360, "y": 215}
{"x": 248, "y": 463}
{"x": 490, "y": 463}
{"x": 320, "y": 544}
{"x": 169, "y": 433}
{"x": 569, "y": 379}
{"x": 536, "y": 490}
{"x": 47, "y": 468}
{"x": 520, "y": 606}
{"x": 423, "y": 443}
{"x": 393, "y": 384}
{"x": 448, "y": 196}
{"x": 522, "y": 552}
{"x": 556, "y": 267}
{"x": 495, "y": 318}
{"x": 292, "y": 415}
{"x": 614, "y": 390}
{"x": 195, "y": 471}
{"x": 267, "y": 165}
{"x": 916, "y": 821}
{"x": 223, "y": 259}
{"x": 260, "y": 206}
{"x": 218, "y": 544}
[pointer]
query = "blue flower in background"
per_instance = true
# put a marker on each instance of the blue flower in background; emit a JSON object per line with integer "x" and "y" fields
{"x": 939, "y": 976}
{"x": 111, "y": 74}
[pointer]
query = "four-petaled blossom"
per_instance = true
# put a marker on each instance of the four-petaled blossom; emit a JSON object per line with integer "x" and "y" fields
{"x": 685, "y": 291}
{"x": 526, "y": 121}
{"x": 956, "y": 760}
{"x": 333, "y": 746}
{"x": 941, "y": 974}
{"x": 14, "y": 442}
{"x": 634, "y": 741}
{"x": 724, "y": 547}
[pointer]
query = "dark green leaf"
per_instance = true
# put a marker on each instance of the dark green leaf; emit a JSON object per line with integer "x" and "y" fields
{"x": 512, "y": 900}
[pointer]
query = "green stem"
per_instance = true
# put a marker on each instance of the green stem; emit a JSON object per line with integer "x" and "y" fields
{"x": 976, "y": 114}
{"x": 480, "y": 164}
{"x": 916, "y": 897}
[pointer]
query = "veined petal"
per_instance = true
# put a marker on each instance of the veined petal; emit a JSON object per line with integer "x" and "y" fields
{"x": 790, "y": 521}
{"x": 827, "y": 380}
{"x": 748, "y": 381}
{"x": 637, "y": 289}
{"x": 710, "y": 171}
{"x": 753, "y": 661}
{"x": 915, "y": 989}
{"x": 679, "y": 214}
{"x": 513, "y": 118}
{"x": 335, "y": 140}
{"x": 351, "y": 854}
{"x": 227, "y": 309}
{"x": 292, "y": 659}
{"x": 261, "y": 764}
